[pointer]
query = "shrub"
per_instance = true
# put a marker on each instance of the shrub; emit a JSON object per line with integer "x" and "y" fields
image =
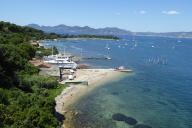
{"x": 3, "y": 97}
{"x": 40, "y": 81}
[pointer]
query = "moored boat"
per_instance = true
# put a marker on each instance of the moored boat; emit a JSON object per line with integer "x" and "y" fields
{"x": 122, "y": 69}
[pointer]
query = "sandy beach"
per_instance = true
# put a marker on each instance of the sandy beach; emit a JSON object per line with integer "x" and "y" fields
{"x": 94, "y": 77}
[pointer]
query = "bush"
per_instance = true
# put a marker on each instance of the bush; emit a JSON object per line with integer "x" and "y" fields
{"x": 3, "y": 97}
{"x": 25, "y": 97}
{"x": 40, "y": 81}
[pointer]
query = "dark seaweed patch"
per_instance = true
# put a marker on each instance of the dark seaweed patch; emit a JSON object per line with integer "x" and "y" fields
{"x": 121, "y": 117}
{"x": 142, "y": 126}
{"x": 115, "y": 93}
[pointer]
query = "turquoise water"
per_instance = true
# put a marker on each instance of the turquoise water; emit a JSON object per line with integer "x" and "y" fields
{"x": 157, "y": 94}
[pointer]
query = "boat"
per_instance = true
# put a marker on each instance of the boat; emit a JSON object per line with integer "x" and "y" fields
{"x": 62, "y": 63}
{"x": 108, "y": 58}
{"x": 61, "y": 60}
{"x": 59, "y": 57}
{"x": 107, "y": 47}
{"x": 122, "y": 69}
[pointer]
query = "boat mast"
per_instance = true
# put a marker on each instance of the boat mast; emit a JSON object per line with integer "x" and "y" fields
{"x": 52, "y": 50}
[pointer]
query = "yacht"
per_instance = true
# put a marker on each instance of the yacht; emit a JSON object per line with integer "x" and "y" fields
{"x": 59, "y": 57}
{"x": 61, "y": 61}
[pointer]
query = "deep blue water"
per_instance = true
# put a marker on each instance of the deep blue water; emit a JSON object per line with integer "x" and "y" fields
{"x": 158, "y": 93}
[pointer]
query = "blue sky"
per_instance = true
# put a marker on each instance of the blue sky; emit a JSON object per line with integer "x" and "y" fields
{"x": 134, "y": 15}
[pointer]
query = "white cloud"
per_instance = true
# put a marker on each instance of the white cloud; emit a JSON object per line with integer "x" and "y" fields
{"x": 142, "y": 12}
{"x": 171, "y": 12}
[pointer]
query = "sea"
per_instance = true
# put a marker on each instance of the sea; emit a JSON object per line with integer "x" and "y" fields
{"x": 157, "y": 94}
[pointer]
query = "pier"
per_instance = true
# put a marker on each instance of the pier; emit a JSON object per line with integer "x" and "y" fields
{"x": 96, "y": 58}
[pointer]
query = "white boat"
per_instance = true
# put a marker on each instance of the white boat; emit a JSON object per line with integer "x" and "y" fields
{"x": 107, "y": 47}
{"x": 59, "y": 57}
{"x": 108, "y": 58}
{"x": 122, "y": 69}
{"x": 62, "y": 63}
{"x": 61, "y": 60}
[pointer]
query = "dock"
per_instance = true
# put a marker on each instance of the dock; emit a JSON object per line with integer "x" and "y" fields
{"x": 96, "y": 58}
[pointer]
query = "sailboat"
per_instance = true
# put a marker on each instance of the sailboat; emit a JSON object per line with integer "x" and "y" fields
{"x": 107, "y": 46}
{"x": 107, "y": 56}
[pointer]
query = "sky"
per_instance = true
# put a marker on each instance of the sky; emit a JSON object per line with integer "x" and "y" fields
{"x": 133, "y": 15}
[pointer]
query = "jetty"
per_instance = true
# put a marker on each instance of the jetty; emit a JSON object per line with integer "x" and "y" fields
{"x": 97, "y": 58}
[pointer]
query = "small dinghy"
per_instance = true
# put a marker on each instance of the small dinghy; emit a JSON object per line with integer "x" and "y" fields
{"x": 122, "y": 69}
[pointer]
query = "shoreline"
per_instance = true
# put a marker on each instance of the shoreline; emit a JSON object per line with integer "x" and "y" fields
{"x": 71, "y": 94}
{"x": 76, "y": 39}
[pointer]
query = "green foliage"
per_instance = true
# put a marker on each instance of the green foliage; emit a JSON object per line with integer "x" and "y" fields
{"x": 3, "y": 97}
{"x": 18, "y": 34}
{"x": 29, "y": 109}
{"x": 28, "y": 50}
{"x": 40, "y": 81}
{"x": 26, "y": 99}
{"x": 45, "y": 52}
{"x": 14, "y": 59}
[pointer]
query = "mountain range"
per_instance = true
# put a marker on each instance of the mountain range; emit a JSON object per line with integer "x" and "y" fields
{"x": 77, "y": 30}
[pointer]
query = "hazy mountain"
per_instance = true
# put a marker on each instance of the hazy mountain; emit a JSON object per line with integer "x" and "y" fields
{"x": 64, "y": 29}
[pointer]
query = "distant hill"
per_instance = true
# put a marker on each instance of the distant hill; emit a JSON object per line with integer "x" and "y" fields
{"x": 77, "y": 30}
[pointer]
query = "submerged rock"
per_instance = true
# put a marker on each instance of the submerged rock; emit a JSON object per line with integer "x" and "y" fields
{"x": 142, "y": 126}
{"x": 121, "y": 117}
{"x": 115, "y": 93}
{"x": 118, "y": 117}
{"x": 131, "y": 121}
